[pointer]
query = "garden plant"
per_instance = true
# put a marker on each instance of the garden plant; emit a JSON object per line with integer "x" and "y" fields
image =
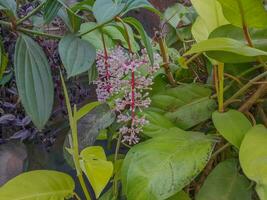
{"x": 176, "y": 114}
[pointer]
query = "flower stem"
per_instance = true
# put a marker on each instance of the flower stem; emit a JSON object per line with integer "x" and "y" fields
{"x": 221, "y": 86}
{"x": 165, "y": 57}
{"x": 33, "y": 12}
{"x": 126, "y": 33}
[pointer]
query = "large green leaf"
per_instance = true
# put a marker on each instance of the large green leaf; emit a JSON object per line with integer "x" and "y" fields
{"x": 180, "y": 196}
{"x": 34, "y": 80}
{"x": 258, "y": 36}
{"x": 38, "y": 185}
{"x": 185, "y": 106}
{"x": 253, "y": 158}
{"x": 144, "y": 37}
{"x": 193, "y": 113}
{"x": 106, "y": 10}
{"x": 94, "y": 37}
{"x": 160, "y": 167}
{"x": 232, "y": 125}
{"x": 76, "y": 54}
{"x": 96, "y": 167}
{"x": 226, "y": 50}
{"x": 225, "y": 183}
{"x": 51, "y": 9}
{"x": 245, "y": 12}
{"x": 10, "y": 6}
{"x": 207, "y": 21}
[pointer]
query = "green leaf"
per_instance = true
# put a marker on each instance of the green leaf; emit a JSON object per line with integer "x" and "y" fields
{"x": 86, "y": 109}
{"x": 245, "y": 12}
{"x": 145, "y": 39}
{"x": 192, "y": 114}
{"x": 34, "y": 80}
{"x": 135, "y": 4}
{"x": 106, "y": 10}
{"x": 96, "y": 167}
{"x": 160, "y": 167}
{"x": 253, "y": 158}
{"x": 3, "y": 60}
{"x": 258, "y": 36}
{"x": 225, "y": 183}
{"x": 207, "y": 21}
{"x": 39, "y": 184}
{"x": 232, "y": 125}
{"x": 180, "y": 196}
{"x": 94, "y": 37}
{"x": 10, "y": 5}
{"x": 51, "y": 9}
{"x": 225, "y": 50}
{"x": 76, "y": 54}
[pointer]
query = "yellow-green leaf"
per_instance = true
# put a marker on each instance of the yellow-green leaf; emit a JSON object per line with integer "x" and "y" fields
{"x": 96, "y": 167}
{"x": 86, "y": 109}
{"x": 38, "y": 185}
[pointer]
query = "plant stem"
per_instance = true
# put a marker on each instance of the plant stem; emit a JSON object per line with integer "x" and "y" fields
{"x": 115, "y": 183}
{"x": 220, "y": 150}
{"x": 245, "y": 87}
{"x": 95, "y": 28}
{"x": 33, "y": 32}
{"x": 82, "y": 183}
{"x": 6, "y": 24}
{"x": 192, "y": 58}
{"x": 33, "y": 12}
{"x": 127, "y": 34}
{"x": 165, "y": 57}
{"x": 221, "y": 86}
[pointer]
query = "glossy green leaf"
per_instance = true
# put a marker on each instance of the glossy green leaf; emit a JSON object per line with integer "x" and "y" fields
{"x": 258, "y": 36}
{"x": 144, "y": 37}
{"x": 96, "y": 167}
{"x": 248, "y": 12}
{"x": 3, "y": 60}
{"x": 51, "y": 9}
{"x": 34, "y": 80}
{"x": 94, "y": 37}
{"x": 135, "y": 4}
{"x": 225, "y": 50}
{"x": 180, "y": 196}
{"x": 253, "y": 158}
{"x": 86, "y": 109}
{"x": 106, "y": 10}
{"x": 76, "y": 54}
{"x": 207, "y": 21}
{"x": 232, "y": 125}
{"x": 38, "y": 185}
{"x": 10, "y": 5}
{"x": 192, "y": 114}
{"x": 225, "y": 183}
{"x": 160, "y": 167}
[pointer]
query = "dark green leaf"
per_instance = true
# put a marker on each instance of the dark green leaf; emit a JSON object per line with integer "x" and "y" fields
{"x": 10, "y": 5}
{"x": 76, "y": 54}
{"x": 160, "y": 167}
{"x": 145, "y": 39}
{"x": 106, "y": 10}
{"x": 51, "y": 9}
{"x": 225, "y": 183}
{"x": 34, "y": 80}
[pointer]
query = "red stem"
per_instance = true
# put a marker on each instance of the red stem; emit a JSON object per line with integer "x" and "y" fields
{"x": 133, "y": 96}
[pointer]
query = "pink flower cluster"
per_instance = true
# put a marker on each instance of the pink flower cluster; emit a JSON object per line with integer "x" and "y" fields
{"x": 118, "y": 73}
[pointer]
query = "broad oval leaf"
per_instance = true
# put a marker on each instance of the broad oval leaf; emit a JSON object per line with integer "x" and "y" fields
{"x": 253, "y": 158}
{"x": 232, "y": 125}
{"x": 145, "y": 39}
{"x": 160, "y": 167}
{"x": 225, "y": 49}
{"x": 96, "y": 167}
{"x": 76, "y": 54}
{"x": 225, "y": 183}
{"x": 207, "y": 21}
{"x": 39, "y": 184}
{"x": 34, "y": 80}
{"x": 245, "y": 12}
{"x": 106, "y": 10}
{"x": 51, "y": 9}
